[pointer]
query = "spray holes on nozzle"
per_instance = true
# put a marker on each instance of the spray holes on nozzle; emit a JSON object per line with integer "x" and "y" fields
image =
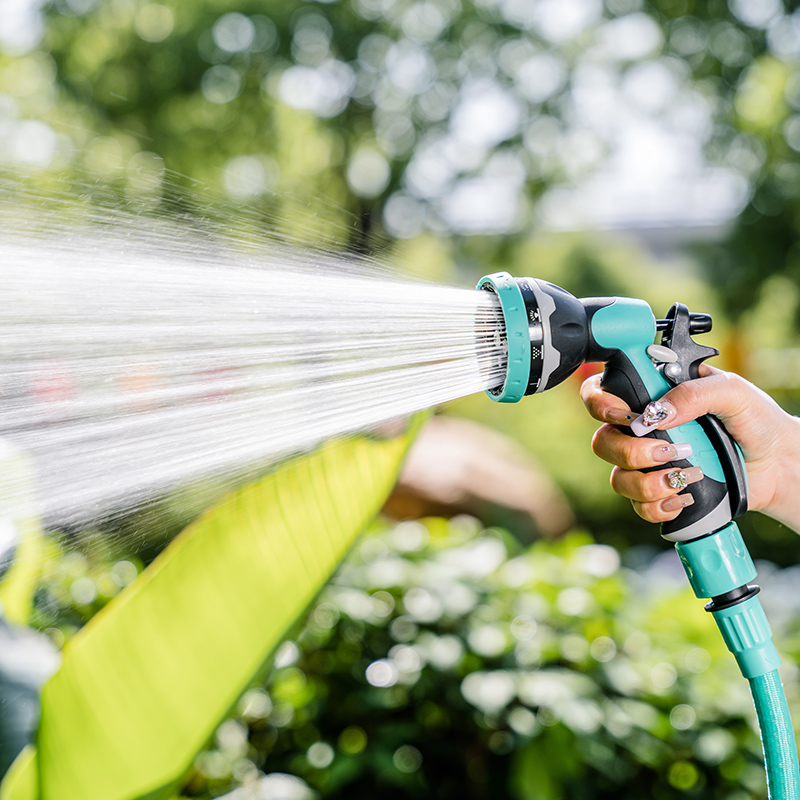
{"x": 491, "y": 344}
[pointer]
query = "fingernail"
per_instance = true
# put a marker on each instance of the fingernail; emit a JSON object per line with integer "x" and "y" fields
{"x": 679, "y": 451}
{"x": 616, "y": 416}
{"x": 681, "y": 478}
{"x": 676, "y": 502}
{"x": 655, "y": 415}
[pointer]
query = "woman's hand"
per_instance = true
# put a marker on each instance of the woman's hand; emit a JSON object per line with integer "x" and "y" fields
{"x": 768, "y": 436}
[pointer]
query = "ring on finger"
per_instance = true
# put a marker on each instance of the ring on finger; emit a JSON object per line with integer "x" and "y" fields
{"x": 677, "y": 479}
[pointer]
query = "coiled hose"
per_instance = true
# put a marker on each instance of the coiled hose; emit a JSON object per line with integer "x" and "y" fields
{"x": 777, "y": 737}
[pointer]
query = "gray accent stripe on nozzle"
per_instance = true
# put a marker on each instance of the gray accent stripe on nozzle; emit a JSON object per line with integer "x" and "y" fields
{"x": 551, "y": 358}
{"x": 717, "y": 518}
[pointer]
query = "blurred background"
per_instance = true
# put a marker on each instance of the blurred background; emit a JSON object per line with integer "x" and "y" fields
{"x": 633, "y": 147}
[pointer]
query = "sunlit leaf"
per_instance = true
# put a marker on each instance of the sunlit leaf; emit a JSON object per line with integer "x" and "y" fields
{"x": 20, "y": 535}
{"x": 145, "y": 683}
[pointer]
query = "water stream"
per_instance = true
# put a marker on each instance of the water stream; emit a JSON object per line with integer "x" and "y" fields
{"x": 137, "y": 355}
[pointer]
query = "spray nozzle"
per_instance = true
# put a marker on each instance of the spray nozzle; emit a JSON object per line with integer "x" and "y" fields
{"x": 546, "y": 334}
{"x": 549, "y": 333}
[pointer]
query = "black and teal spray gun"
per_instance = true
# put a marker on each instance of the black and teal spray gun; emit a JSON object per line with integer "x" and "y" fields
{"x": 548, "y": 334}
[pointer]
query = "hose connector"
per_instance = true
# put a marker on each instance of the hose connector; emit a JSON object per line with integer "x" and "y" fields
{"x": 720, "y": 567}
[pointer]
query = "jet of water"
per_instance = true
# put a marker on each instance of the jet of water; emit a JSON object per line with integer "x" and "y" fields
{"x": 137, "y": 356}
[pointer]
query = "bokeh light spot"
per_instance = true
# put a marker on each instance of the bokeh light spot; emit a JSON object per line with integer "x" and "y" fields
{"x": 234, "y": 33}
{"x": 368, "y": 173}
{"x": 489, "y": 691}
{"x": 325, "y": 90}
{"x": 407, "y": 758}
{"x": 221, "y": 84}
{"x": 145, "y": 172}
{"x": 488, "y": 641}
{"x": 682, "y": 717}
{"x": 698, "y": 660}
{"x": 34, "y": 143}
{"x": 382, "y": 673}
{"x": 409, "y": 537}
{"x": 154, "y": 22}
{"x": 251, "y": 176}
{"x": 124, "y": 573}
{"x": 791, "y": 132}
{"x": 288, "y": 654}
{"x": 320, "y": 755}
{"x": 422, "y": 605}
{"x": 352, "y": 740}
{"x": 403, "y": 216}
{"x": 683, "y": 775}
{"x": 83, "y": 591}
{"x": 663, "y": 675}
{"x": 523, "y": 721}
{"x": 603, "y": 649}
{"x": 255, "y": 705}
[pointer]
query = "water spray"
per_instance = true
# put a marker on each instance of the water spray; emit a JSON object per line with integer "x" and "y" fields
{"x": 547, "y": 334}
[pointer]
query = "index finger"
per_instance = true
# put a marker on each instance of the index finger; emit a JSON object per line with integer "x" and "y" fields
{"x": 603, "y": 406}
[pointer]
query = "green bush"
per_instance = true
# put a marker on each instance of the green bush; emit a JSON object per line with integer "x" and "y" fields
{"x": 445, "y": 662}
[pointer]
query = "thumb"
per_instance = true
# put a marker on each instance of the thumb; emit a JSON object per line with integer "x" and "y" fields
{"x": 748, "y": 413}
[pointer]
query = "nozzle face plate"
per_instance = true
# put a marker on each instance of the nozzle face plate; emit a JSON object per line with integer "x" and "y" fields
{"x": 518, "y": 368}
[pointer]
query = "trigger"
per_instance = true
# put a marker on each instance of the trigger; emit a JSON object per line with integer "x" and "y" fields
{"x": 689, "y": 355}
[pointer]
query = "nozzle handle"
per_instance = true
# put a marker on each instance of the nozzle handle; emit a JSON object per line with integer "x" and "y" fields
{"x": 632, "y": 376}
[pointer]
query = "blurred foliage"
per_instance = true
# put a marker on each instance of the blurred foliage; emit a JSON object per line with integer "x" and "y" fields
{"x": 343, "y": 119}
{"x": 446, "y": 661}
{"x": 271, "y": 545}
{"x": 370, "y": 124}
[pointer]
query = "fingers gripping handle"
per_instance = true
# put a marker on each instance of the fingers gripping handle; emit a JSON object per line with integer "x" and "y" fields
{"x": 633, "y": 377}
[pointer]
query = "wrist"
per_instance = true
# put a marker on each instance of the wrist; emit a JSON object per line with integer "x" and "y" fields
{"x": 784, "y": 505}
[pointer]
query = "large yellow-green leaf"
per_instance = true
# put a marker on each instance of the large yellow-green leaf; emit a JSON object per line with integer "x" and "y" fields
{"x": 18, "y": 510}
{"x": 146, "y": 682}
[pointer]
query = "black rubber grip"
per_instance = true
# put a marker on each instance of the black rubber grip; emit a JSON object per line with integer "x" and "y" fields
{"x": 714, "y": 503}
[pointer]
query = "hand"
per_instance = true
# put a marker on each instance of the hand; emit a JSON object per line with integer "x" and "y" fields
{"x": 768, "y": 436}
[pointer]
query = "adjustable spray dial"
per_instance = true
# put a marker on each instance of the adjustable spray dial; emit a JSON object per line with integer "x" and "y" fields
{"x": 549, "y": 334}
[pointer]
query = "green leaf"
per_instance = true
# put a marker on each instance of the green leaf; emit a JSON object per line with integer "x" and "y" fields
{"x": 22, "y": 780}
{"x": 18, "y": 509}
{"x": 146, "y": 682}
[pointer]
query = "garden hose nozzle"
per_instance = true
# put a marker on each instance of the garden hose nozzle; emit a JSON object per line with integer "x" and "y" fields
{"x": 548, "y": 333}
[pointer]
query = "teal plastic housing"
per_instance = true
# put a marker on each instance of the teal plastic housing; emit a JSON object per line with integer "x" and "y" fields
{"x": 718, "y": 563}
{"x": 747, "y": 634}
{"x": 628, "y": 325}
{"x": 518, "y": 369}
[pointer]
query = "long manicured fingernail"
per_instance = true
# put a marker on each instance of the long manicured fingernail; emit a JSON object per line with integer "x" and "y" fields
{"x": 655, "y": 415}
{"x": 681, "y": 478}
{"x": 616, "y": 416}
{"x": 679, "y": 451}
{"x": 676, "y": 502}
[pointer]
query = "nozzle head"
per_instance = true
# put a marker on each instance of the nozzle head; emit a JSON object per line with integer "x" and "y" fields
{"x": 517, "y": 343}
{"x": 546, "y": 332}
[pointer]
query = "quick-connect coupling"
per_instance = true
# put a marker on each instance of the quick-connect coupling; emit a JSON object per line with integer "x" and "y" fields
{"x": 748, "y": 636}
{"x": 719, "y": 566}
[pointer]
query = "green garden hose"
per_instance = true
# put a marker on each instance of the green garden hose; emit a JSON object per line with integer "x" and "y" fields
{"x": 777, "y": 737}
